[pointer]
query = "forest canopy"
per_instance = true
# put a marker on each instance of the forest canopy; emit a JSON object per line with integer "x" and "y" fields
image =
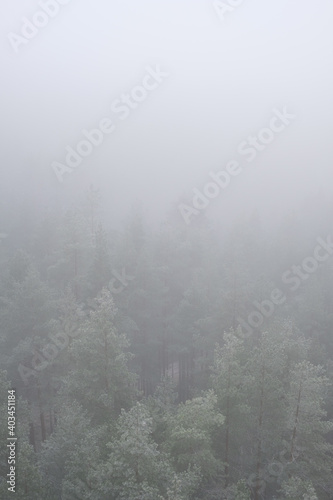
{"x": 168, "y": 364}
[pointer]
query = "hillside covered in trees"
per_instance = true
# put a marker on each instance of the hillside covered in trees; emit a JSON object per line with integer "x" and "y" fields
{"x": 175, "y": 364}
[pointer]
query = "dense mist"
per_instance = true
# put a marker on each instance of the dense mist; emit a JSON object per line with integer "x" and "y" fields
{"x": 166, "y": 270}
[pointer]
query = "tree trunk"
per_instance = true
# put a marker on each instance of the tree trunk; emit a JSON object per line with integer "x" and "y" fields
{"x": 260, "y": 422}
{"x": 227, "y": 420}
{"x": 293, "y": 439}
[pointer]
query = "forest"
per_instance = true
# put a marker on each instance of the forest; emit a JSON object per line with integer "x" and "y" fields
{"x": 177, "y": 363}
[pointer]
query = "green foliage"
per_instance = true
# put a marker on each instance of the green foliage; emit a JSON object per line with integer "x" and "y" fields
{"x": 298, "y": 489}
{"x": 219, "y": 416}
{"x": 30, "y": 484}
{"x": 99, "y": 376}
{"x": 307, "y": 422}
{"x": 73, "y": 426}
{"x": 190, "y": 433}
{"x": 136, "y": 468}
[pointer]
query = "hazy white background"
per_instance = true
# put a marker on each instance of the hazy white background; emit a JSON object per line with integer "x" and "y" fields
{"x": 225, "y": 79}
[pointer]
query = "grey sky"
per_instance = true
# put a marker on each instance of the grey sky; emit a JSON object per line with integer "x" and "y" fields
{"x": 225, "y": 78}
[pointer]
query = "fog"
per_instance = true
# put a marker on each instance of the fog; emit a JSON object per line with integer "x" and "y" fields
{"x": 227, "y": 70}
{"x": 166, "y": 276}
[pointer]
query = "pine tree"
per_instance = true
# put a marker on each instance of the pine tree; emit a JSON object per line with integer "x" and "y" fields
{"x": 190, "y": 435}
{"x": 228, "y": 374}
{"x": 310, "y": 454}
{"x": 99, "y": 377}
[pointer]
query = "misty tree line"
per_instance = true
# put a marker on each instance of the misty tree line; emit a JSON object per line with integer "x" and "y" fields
{"x": 151, "y": 390}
